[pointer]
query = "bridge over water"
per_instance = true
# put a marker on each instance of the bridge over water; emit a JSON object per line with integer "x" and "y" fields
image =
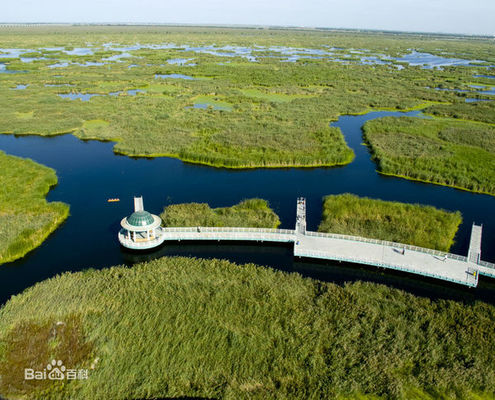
{"x": 344, "y": 248}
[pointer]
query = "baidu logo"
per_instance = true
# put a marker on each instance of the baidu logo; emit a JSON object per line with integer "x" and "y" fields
{"x": 55, "y": 371}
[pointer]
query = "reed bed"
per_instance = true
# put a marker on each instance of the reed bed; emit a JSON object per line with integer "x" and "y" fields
{"x": 442, "y": 151}
{"x": 182, "y": 327}
{"x": 415, "y": 224}
{"x": 26, "y": 219}
{"x": 251, "y": 213}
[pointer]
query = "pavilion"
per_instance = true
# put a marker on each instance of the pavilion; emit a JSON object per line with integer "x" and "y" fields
{"x": 141, "y": 230}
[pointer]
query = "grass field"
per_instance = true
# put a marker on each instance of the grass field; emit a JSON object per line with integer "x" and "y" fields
{"x": 415, "y": 224}
{"x": 26, "y": 219}
{"x": 443, "y": 151}
{"x": 272, "y": 113}
{"x": 252, "y": 213}
{"x": 181, "y": 327}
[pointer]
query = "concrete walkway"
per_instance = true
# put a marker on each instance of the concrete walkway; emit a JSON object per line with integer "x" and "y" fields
{"x": 328, "y": 246}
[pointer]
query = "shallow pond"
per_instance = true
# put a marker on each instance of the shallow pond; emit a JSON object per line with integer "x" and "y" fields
{"x": 428, "y": 60}
{"x": 89, "y": 174}
{"x": 4, "y": 70}
{"x": 173, "y": 76}
{"x": 252, "y": 54}
{"x": 180, "y": 61}
{"x": 88, "y": 96}
{"x": 131, "y": 92}
{"x": 79, "y": 96}
{"x": 484, "y": 89}
{"x": 470, "y": 100}
{"x": 205, "y": 106}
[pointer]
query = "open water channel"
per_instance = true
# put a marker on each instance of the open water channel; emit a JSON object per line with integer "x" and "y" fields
{"x": 89, "y": 173}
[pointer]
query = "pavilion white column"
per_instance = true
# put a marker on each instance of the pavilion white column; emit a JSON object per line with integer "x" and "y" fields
{"x": 148, "y": 234}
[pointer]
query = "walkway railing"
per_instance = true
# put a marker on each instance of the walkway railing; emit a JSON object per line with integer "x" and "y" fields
{"x": 389, "y": 244}
{"x": 486, "y": 264}
{"x": 142, "y": 245}
{"x": 441, "y": 265}
{"x": 378, "y": 263}
{"x": 226, "y": 230}
{"x": 326, "y": 235}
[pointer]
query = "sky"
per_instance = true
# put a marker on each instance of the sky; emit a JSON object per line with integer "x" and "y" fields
{"x": 447, "y": 16}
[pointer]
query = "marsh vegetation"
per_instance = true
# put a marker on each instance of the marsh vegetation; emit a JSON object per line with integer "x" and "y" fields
{"x": 273, "y": 92}
{"x": 443, "y": 151}
{"x": 182, "y": 327}
{"x": 415, "y": 224}
{"x": 26, "y": 218}
{"x": 252, "y": 213}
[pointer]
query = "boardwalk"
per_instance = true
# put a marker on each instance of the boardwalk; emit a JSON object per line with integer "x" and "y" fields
{"x": 397, "y": 256}
{"x": 386, "y": 255}
{"x": 239, "y": 234}
{"x": 474, "y": 254}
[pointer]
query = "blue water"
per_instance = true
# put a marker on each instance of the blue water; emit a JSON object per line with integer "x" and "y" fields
{"x": 179, "y": 61}
{"x": 89, "y": 173}
{"x": 131, "y": 92}
{"x": 134, "y": 92}
{"x": 428, "y": 60}
{"x": 286, "y": 54}
{"x": 79, "y": 96}
{"x": 470, "y": 100}
{"x": 4, "y": 70}
{"x": 484, "y": 89}
{"x": 20, "y": 87}
{"x": 174, "y": 76}
{"x": 59, "y": 65}
{"x": 205, "y": 106}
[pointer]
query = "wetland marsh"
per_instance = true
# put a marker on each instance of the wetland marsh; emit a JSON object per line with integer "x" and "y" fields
{"x": 197, "y": 120}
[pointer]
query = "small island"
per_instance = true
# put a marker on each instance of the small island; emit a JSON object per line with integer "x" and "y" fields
{"x": 418, "y": 225}
{"x": 447, "y": 152}
{"x": 26, "y": 218}
{"x": 251, "y": 213}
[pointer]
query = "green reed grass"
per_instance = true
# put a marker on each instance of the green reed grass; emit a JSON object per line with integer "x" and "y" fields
{"x": 443, "y": 151}
{"x": 415, "y": 224}
{"x": 252, "y": 213}
{"x": 182, "y": 327}
{"x": 26, "y": 219}
{"x": 279, "y": 112}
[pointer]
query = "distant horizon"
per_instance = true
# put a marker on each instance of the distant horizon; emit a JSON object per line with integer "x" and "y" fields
{"x": 249, "y": 26}
{"x": 428, "y": 16}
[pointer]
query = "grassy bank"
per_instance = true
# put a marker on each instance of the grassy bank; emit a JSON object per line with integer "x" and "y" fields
{"x": 26, "y": 219}
{"x": 415, "y": 224}
{"x": 185, "y": 327}
{"x": 443, "y": 151}
{"x": 252, "y": 213}
{"x": 274, "y": 113}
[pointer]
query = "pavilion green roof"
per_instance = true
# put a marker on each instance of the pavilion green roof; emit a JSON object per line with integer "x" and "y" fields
{"x": 140, "y": 218}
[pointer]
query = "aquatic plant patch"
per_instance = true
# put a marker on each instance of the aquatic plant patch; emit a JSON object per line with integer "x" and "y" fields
{"x": 418, "y": 225}
{"x": 443, "y": 151}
